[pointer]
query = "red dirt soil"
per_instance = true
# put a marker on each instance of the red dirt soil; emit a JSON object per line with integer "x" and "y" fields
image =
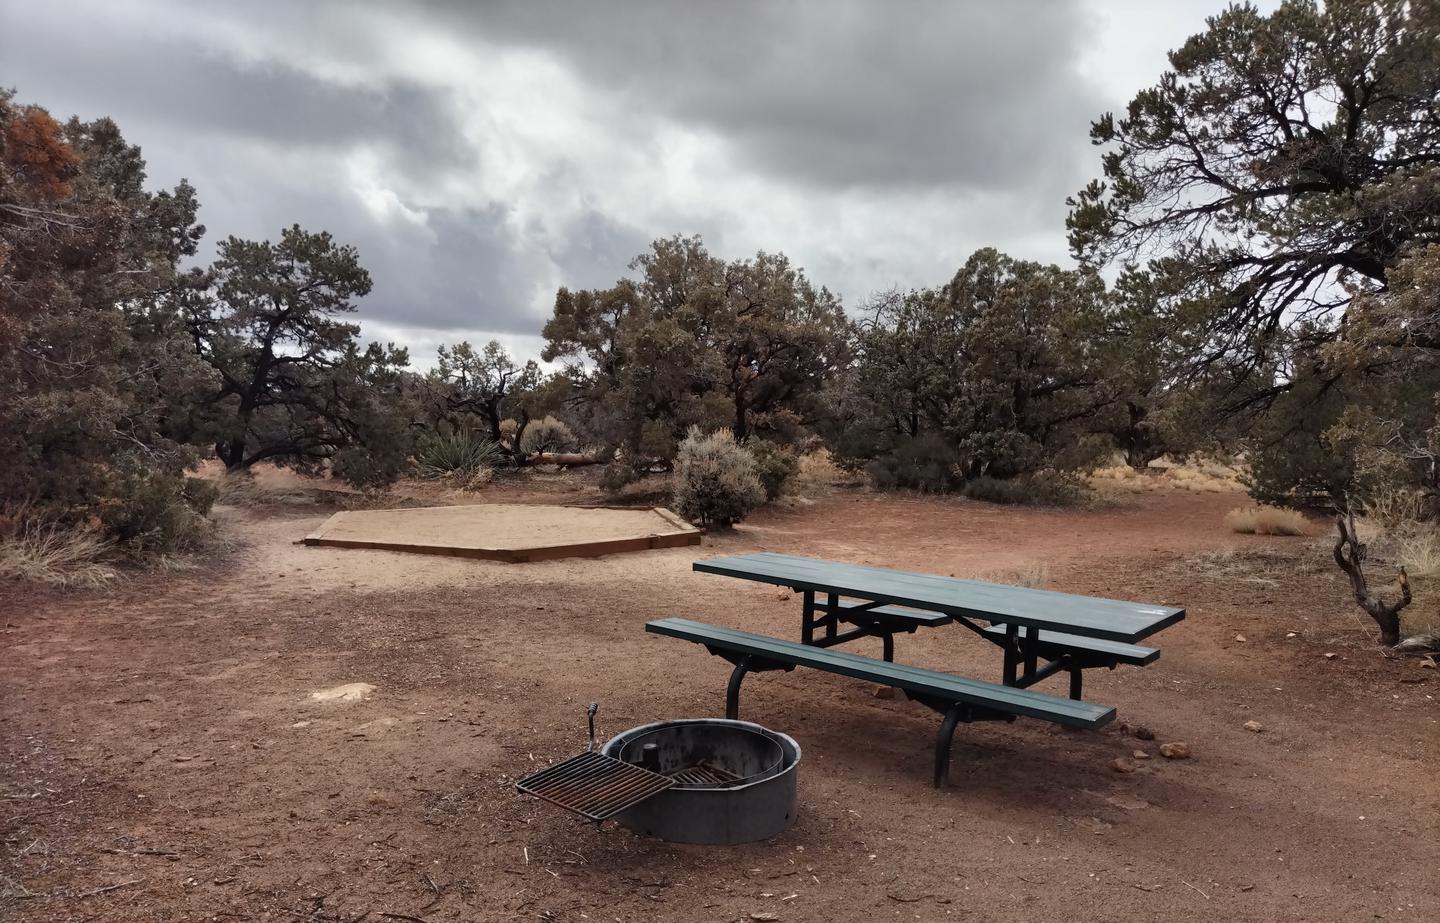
{"x": 163, "y": 758}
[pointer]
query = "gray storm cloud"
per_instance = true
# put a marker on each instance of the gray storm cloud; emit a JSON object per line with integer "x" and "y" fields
{"x": 481, "y": 155}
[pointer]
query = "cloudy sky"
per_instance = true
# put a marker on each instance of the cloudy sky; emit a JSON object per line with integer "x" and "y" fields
{"x": 480, "y": 155}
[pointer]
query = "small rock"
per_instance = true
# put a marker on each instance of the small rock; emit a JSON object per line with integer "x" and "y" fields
{"x": 764, "y": 916}
{"x": 1331, "y": 656}
{"x": 350, "y": 692}
{"x": 374, "y": 728}
{"x": 884, "y": 692}
{"x": 1240, "y": 638}
{"x": 1143, "y": 733}
{"x": 1291, "y": 634}
{"x": 1428, "y": 663}
{"x": 1140, "y": 755}
{"x": 1121, "y": 764}
{"x": 1175, "y": 750}
{"x": 1254, "y": 727}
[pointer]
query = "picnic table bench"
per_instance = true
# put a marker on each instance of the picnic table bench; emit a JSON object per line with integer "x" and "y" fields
{"x": 956, "y": 697}
{"x": 1039, "y": 632}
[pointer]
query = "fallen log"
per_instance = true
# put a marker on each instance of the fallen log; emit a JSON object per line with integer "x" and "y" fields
{"x": 566, "y": 459}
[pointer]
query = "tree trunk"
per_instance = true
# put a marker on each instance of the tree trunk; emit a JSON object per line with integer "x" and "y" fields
{"x": 232, "y": 453}
{"x": 492, "y": 418}
{"x": 517, "y": 454}
{"x": 1350, "y": 555}
{"x": 1138, "y": 440}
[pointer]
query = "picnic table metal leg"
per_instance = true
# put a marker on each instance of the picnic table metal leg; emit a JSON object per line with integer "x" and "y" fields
{"x": 832, "y": 616}
{"x": 732, "y": 691}
{"x": 1012, "y": 644}
{"x": 942, "y": 744}
{"x": 1031, "y": 646}
{"x": 889, "y": 641}
{"x": 807, "y": 623}
{"x": 1075, "y": 680}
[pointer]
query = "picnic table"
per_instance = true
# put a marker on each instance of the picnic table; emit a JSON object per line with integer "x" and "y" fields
{"x": 1042, "y": 631}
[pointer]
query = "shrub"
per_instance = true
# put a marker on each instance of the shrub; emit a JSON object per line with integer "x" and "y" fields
{"x": 546, "y": 435}
{"x": 462, "y": 454}
{"x": 1050, "y": 489}
{"x": 775, "y": 466}
{"x": 1265, "y": 520}
{"x": 617, "y": 476}
{"x": 926, "y": 462}
{"x": 151, "y": 512}
{"x": 715, "y": 484}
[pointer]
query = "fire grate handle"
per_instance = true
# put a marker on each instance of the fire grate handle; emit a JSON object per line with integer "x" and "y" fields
{"x": 590, "y": 719}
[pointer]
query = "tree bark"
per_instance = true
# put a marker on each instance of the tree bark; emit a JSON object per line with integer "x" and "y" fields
{"x": 1350, "y": 555}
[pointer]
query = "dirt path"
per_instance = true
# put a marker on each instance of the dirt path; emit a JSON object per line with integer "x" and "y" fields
{"x": 161, "y": 741}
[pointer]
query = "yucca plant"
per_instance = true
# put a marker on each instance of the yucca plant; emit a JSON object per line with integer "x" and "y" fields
{"x": 460, "y": 454}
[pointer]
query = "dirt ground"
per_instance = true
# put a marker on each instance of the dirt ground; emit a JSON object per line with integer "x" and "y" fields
{"x": 163, "y": 757}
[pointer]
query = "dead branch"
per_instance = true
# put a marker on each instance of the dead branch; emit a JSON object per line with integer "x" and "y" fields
{"x": 1350, "y": 556}
{"x": 567, "y": 459}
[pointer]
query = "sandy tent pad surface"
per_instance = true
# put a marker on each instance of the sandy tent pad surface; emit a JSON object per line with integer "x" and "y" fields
{"x": 507, "y": 532}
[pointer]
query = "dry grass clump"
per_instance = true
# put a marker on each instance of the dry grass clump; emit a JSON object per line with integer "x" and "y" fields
{"x": 1414, "y": 545}
{"x": 1265, "y": 520}
{"x": 1199, "y": 476}
{"x": 1419, "y": 553}
{"x": 1262, "y": 566}
{"x": 817, "y": 468}
{"x": 1034, "y": 575}
{"x": 1396, "y": 509}
{"x": 1202, "y": 480}
{"x": 38, "y": 551}
{"x": 243, "y": 489}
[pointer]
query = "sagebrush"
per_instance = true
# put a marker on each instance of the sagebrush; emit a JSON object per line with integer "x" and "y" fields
{"x": 716, "y": 484}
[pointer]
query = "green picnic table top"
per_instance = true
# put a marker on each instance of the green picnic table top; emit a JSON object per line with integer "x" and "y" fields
{"x": 1090, "y": 616}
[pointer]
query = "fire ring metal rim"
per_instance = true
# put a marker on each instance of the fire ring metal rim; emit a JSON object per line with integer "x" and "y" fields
{"x": 786, "y": 741}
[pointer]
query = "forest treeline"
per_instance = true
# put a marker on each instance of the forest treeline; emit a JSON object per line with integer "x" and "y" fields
{"x": 1256, "y": 270}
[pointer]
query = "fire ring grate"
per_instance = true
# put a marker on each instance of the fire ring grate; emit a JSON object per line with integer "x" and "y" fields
{"x": 594, "y": 785}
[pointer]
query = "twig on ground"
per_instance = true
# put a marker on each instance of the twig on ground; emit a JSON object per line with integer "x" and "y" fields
{"x": 439, "y": 893}
{"x": 1195, "y": 889}
{"x": 114, "y": 887}
{"x": 402, "y": 916}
